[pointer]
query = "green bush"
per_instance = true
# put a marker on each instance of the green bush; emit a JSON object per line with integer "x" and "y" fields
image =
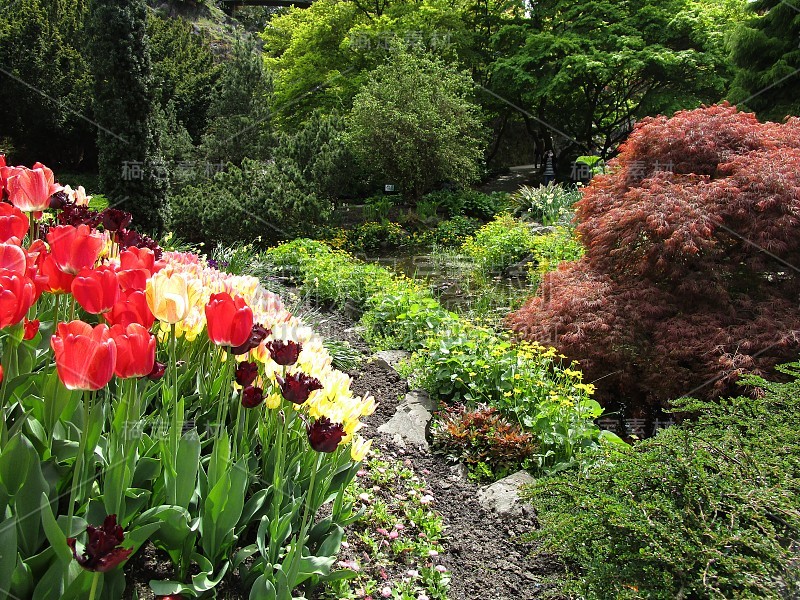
{"x": 451, "y": 233}
{"x": 257, "y": 202}
{"x": 707, "y": 509}
{"x": 469, "y": 203}
{"x": 372, "y": 237}
{"x": 551, "y": 249}
{"x": 499, "y": 244}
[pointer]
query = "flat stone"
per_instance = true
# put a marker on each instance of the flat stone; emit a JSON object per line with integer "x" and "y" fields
{"x": 420, "y": 397}
{"x": 409, "y": 424}
{"x": 389, "y": 359}
{"x": 502, "y": 497}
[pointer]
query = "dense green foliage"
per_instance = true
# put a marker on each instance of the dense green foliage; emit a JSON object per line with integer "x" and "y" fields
{"x": 766, "y": 50}
{"x": 45, "y": 85}
{"x": 120, "y": 65}
{"x": 413, "y": 122}
{"x": 257, "y": 202}
{"x": 709, "y": 509}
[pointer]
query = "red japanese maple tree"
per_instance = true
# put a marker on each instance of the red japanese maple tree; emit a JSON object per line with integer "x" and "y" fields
{"x": 691, "y": 275}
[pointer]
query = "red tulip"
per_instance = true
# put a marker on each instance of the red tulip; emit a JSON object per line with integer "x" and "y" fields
{"x": 17, "y": 294}
{"x": 229, "y": 320}
{"x": 102, "y": 552}
{"x": 131, "y": 308}
{"x": 75, "y": 248}
{"x": 85, "y": 356}
{"x": 96, "y": 290}
{"x": 138, "y": 258}
{"x": 13, "y": 222}
{"x": 136, "y": 350}
{"x": 31, "y": 329}
{"x": 13, "y": 258}
{"x": 1, "y": 373}
{"x": 324, "y": 436}
{"x": 58, "y": 282}
{"x": 30, "y": 189}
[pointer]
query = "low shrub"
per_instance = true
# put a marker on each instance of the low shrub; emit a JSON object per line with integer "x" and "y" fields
{"x": 451, "y": 233}
{"x": 260, "y": 201}
{"x": 469, "y": 203}
{"x": 486, "y": 442}
{"x": 471, "y": 365}
{"x": 374, "y": 237}
{"x": 707, "y": 509}
{"x": 551, "y": 249}
{"x": 499, "y": 244}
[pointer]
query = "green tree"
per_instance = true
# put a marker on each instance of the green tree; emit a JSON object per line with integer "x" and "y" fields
{"x": 120, "y": 63}
{"x": 45, "y": 83}
{"x": 322, "y": 55}
{"x": 184, "y": 72}
{"x": 586, "y": 72}
{"x": 415, "y": 123}
{"x": 766, "y": 50}
{"x": 239, "y": 117}
{"x": 320, "y": 153}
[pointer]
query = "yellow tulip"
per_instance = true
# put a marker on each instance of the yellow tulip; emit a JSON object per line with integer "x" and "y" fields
{"x": 359, "y": 448}
{"x": 171, "y": 296}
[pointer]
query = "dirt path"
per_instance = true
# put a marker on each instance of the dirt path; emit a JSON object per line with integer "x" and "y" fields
{"x": 483, "y": 552}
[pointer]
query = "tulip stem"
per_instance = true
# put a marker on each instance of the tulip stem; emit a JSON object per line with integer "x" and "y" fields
{"x": 301, "y": 539}
{"x": 77, "y": 474}
{"x": 95, "y": 579}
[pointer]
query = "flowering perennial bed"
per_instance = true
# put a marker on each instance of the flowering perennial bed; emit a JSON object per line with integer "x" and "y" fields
{"x": 148, "y": 397}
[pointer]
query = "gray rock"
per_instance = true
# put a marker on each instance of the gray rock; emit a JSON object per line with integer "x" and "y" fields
{"x": 389, "y": 359}
{"x": 502, "y": 497}
{"x": 409, "y": 424}
{"x": 459, "y": 471}
{"x": 420, "y": 397}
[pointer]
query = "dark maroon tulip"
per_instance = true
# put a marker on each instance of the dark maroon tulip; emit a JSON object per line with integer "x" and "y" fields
{"x": 252, "y": 396}
{"x": 114, "y": 219}
{"x": 60, "y": 200}
{"x": 324, "y": 436}
{"x": 246, "y": 373}
{"x": 284, "y": 353}
{"x": 171, "y": 597}
{"x": 158, "y": 371}
{"x": 75, "y": 215}
{"x": 258, "y": 335}
{"x": 127, "y": 238}
{"x": 101, "y": 552}
{"x": 297, "y": 387}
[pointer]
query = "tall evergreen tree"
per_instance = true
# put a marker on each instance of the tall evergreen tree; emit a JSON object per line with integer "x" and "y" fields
{"x": 130, "y": 171}
{"x": 767, "y": 52}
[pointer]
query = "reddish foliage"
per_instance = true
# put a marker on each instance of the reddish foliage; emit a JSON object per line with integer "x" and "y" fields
{"x": 690, "y": 277}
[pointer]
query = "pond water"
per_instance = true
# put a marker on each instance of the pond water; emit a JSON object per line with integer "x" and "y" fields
{"x": 454, "y": 282}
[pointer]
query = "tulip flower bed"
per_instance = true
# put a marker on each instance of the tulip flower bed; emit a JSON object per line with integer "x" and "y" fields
{"x": 150, "y": 398}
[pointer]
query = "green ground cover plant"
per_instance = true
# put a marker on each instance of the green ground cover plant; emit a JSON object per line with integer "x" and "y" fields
{"x": 707, "y": 509}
